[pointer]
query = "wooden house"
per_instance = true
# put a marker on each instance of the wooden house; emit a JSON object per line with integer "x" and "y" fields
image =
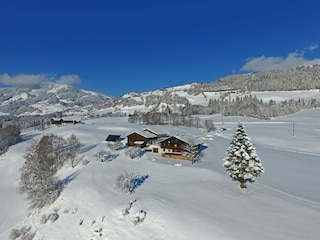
{"x": 56, "y": 121}
{"x": 174, "y": 147}
{"x": 171, "y": 147}
{"x": 62, "y": 121}
{"x": 141, "y": 139}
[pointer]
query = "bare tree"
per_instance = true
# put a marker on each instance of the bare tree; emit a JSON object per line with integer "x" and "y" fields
{"x": 192, "y": 152}
{"x": 74, "y": 147}
{"x": 102, "y": 155}
{"x": 209, "y": 125}
{"x": 38, "y": 178}
{"x": 115, "y": 146}
{"x": 8, "y": 136}
{"x": 134, "y": 152}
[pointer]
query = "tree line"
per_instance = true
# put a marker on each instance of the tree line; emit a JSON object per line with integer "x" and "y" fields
{"x": 299, "y": 78}
{"x": 8, "y": 136}
{"x": 248, "y": 105}
{"x": 251, "y": 106}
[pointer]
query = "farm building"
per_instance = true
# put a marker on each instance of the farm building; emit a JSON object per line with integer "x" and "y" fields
{"x": 113, "y": 138}
{"x": 62, "y": 121}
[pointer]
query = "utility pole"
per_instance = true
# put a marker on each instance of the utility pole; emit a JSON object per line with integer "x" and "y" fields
{"x": 293, "y": 129}
{"x": 222, "y": 113}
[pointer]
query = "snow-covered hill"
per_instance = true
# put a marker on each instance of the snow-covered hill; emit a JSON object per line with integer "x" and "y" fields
{"x": 47, "y": 99}
{"x": 179, "y": 96}
{"x": 181, "y": 200}
{"x": 37, "y": 106}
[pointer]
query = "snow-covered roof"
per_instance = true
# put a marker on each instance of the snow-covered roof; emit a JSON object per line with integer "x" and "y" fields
{"x": 174, "y": 137}
{"x": 146, "y": 134}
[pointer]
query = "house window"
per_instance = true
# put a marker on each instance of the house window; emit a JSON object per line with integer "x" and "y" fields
{"x": 155, "y": 150}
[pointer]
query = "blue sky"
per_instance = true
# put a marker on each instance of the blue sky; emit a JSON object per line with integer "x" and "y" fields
{"x": 120, "y": 46}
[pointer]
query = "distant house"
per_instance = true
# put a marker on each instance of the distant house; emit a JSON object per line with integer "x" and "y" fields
{"x": 113, "y": 138}
{"x": 61, "y": 121}
{"x": 56, "y": 121}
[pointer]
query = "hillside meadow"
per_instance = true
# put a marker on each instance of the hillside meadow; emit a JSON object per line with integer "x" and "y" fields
{"x": 180, "y": 200}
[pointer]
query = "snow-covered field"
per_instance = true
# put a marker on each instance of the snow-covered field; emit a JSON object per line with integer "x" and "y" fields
{"x": 181, "y": 200}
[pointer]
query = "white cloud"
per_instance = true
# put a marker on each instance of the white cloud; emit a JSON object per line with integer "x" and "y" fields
{"x": 27, "y": 80}
{"x": 311, "y": 48}
{"x": 295, "y": 59}
{"x": 23, "y": 79}
{"x": 69, "y": 79}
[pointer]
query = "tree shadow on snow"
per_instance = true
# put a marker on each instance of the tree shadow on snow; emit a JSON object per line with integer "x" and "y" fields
{"x": 87, "y": 148}
{"x": 64, "y": 182}
{"x": 202, "y": 147}
{"x": 28, "y": 136}
{"x": 109, "y": 158}
{"x": 137, "y": 182}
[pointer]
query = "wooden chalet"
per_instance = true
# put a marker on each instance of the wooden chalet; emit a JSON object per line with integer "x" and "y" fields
{"x": 56, "y": 121}
{"x": 172, "y": 147}
{"x": 141, "y": 139}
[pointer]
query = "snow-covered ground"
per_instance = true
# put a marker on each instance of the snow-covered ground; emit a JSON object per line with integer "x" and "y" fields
{"x": 181, "y": 200}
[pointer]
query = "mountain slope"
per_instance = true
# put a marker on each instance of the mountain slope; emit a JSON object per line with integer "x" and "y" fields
{"x": 181, "y": 200}
{"x": 264, "y": 92}
{"x": 47, "y": 99}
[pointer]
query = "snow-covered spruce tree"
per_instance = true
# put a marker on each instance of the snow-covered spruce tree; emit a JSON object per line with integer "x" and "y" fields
{"x": 242, "y": 161}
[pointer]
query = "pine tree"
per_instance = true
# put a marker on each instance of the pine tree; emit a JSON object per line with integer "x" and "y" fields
{"x": 242, "y": 161}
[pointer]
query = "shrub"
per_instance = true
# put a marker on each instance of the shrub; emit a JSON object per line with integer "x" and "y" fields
{"x": 134, "y": 152}
{"x": 23, "y": 233}
{"x": 139, "y": 217}
{"x": 129, "y": 182}
{"x": 124, "y": 183}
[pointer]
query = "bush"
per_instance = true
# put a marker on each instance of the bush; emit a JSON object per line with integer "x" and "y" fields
{"x": 139, "y": 217}
{"x": 134, "y": 152}
{"x": 115, "y": 146}
{"x": 124, "y": 183}
{"x": 52, "y": 217}
{"x": 102, "y": 155}
{"x": 129, "y": 182}
{"x": 23, "y": 233}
